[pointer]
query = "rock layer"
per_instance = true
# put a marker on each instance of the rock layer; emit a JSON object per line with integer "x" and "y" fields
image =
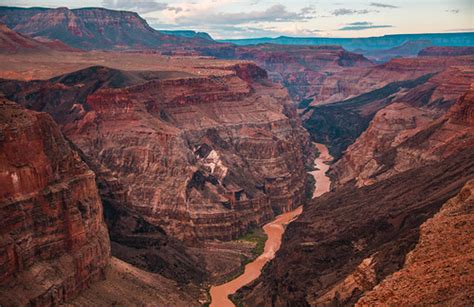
{"x": 413, "y": 132}
{"x": 439, "y": 270}
{"x": 203, "y": 157}
{"x": 54, "y": 242}
{"x": 349, "y": 240}
{"x": 432, "y": 84}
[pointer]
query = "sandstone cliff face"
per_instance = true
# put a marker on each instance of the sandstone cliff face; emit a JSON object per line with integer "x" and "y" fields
{"x": 203, "y": 157}
{"x": 53, "y": 240}
{"x": 301, "y": 69}
{"x": 349, "y": 240}
{"x": 439, "y": 269}
{"x": 92, "y": 28}
{"x": 339, "y": 124}
{"x": 414, "y": 131}
{"x": 354, "y": 81}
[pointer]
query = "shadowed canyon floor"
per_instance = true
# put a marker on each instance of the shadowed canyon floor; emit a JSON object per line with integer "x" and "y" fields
{"x": 274, "y": 230}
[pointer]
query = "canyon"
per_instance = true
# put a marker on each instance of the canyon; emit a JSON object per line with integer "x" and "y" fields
{"x": 274, "y": 231}
{"x": 140, "y": 167}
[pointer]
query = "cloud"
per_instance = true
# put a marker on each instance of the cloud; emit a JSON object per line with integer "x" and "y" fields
{"x": 140, "y": 6}
{"x": 345, "y": 11}
{"x": 362, "y": 25}
{"x": 454, "y": 11}
{"x": 383, "y": 5}
{"x": 275, "y": 13}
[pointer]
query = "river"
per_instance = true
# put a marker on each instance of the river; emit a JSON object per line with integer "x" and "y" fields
{"x": 274, "y": 230}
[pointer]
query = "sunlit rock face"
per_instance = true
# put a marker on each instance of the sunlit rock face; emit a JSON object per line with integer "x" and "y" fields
{"x": 429, "y": 84}
{"x": 202, "y": 156}
{"x": 437, "y": 271}
{"x": 53, "y": 240}
{"x": 427, "y": 124}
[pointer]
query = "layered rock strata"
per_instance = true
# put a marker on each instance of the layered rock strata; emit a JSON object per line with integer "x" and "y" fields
{"x": 339, "y": 124}
{"x": 439, "y": 269}
{"x": 349, "y": 240}
{"x": 414, "y": 131}
{"x": 53, "y": 239}
{"x": 202, "y": 156}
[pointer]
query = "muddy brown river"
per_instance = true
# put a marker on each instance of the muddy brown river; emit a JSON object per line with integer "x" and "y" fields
{"x": 274, "y": 230}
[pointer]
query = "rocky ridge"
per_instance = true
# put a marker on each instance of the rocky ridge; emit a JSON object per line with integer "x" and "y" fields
{"x": 13, "y": 42}
{"x": 54, "y": 242}
{"x": 414, "y": 131}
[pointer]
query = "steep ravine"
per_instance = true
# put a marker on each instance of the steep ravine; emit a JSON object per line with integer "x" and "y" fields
{"x": 274, "y": 231}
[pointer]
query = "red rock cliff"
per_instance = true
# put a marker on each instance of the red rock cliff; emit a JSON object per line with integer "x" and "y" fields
{"x": 53, "y": 240}
{"x": 202, "y": 156}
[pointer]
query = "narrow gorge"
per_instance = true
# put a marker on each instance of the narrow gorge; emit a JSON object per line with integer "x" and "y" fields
{"x": 274, "y": 231}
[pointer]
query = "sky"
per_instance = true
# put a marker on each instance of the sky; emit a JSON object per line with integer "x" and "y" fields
{"x": 267, "y": 18}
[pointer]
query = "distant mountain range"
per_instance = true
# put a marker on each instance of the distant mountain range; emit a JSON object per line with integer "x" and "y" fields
{"x": 104, "y": 29}
{"x": 187, "y": 34}
{"x": 365, "y": 43}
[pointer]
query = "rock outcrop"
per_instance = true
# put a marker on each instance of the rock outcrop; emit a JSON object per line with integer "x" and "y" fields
{"x": 53, "y": 241}
{"x": 201, "y": 156}
{"x": 439, "y": 269}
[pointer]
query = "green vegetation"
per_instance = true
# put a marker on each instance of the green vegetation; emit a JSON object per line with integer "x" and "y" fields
{"x": 257, "y": 236}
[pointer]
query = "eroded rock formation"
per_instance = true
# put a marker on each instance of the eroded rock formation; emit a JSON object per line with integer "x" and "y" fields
{"x": 53, "y": 239}
{"x": 349, "y": 240}
{"x": 416, "y": 154}
{"x": 413, "y": 132}
{"x": 439, "y": 269}
{"x": 94, "y": 28}
{"x": 201, "y": 156}
{"x": 437, "y": 83}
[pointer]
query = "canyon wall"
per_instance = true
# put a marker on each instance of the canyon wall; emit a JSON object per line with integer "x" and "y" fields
{"x": 93, "y": 28}
{"x": 200, "y": 156}
{"x": 414, "y": 130}
{"x": 445, "y": 244}
{"x": 349, "y": 240}
{"x": 369, "y": 232}
{"x": 429, "y": 83}
{"x": 53, "y": 241}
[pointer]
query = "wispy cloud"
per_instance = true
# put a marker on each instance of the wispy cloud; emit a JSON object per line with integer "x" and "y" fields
{"x": 362, "y": 25}
{"x": 383, "y": 5}
{"x": 275, "y": 13}
{"x": 454, "y": 11}
{"x": 140, "y": 6}
{"x": 344, "y": 11}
